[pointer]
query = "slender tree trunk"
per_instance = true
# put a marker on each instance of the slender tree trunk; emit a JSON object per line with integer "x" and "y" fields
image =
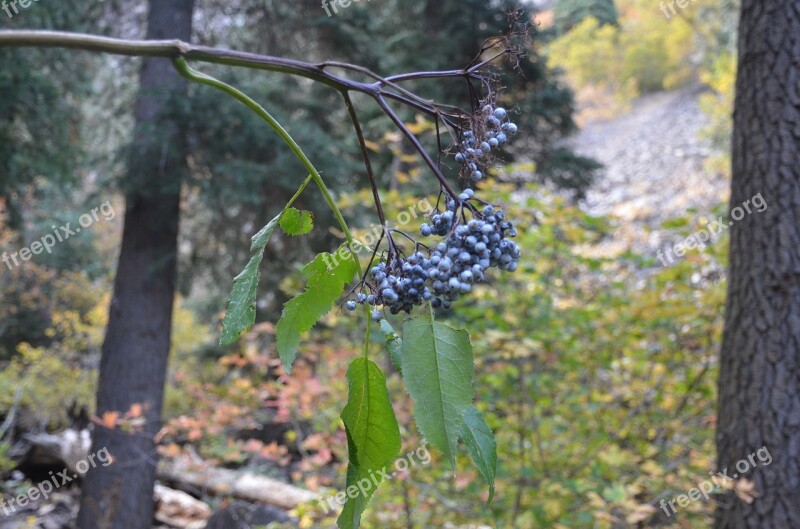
{"x": 134, "y": 357}
{"x": 759, "y": 385}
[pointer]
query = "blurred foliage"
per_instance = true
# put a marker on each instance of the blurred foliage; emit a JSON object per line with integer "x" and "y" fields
{"x": 646, "y": 50}
{"x": 50, "y": 379}
{"x": 41, "y": 306}
{"x": 41, "y": 106}
{"x": 570, "y": 13}
{"x": 597, "y": 374}
{"x": 718, "y": 106}
{"x": 599, "y": 380}
{"x": 645, "y": 53}
{"x": 239, "y": 172}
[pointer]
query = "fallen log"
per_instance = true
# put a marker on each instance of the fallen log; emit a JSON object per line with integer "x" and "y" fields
{"x": 189, "y": 474}
{"x": 178, "y": 509}
{"x": 186, "y": 474}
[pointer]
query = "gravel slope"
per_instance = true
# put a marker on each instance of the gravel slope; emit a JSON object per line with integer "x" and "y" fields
{"x": 653, "y": 159}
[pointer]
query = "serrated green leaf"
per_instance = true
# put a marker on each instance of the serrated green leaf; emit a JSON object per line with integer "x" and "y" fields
{"x": 479, "y": 439}
{"x": 373, "y": 437}
{"x": 438, "y": 371}
{"x": 327, "y": 275}
{"x": 295, "y": 222}
{"x": 393, "y": 345}
{"x": 241, "y": 312}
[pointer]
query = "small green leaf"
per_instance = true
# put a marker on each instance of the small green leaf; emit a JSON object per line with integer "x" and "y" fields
{"x": 479, "y": 439}
{"x": 241, "y": 313}
{"x": 327, "y": 275}
{"x": 296, "y": 222}
{"x": 373, "y": 437}
{"x": 438, "y": 370}
{"x": 393, "y": 345}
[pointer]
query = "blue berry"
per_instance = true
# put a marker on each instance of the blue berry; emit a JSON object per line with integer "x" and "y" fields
{"x": 510, "y": 127}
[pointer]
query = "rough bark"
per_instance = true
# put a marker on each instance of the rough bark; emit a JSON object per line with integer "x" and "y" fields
{"x": 134, "y": 356}
{"x": 759, "y": 399}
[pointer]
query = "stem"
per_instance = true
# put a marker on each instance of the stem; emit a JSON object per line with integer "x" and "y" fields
{"x": 369, "y": 327}
{"x": 425, "y": 75}
{"x": 417, "y": 145}
{"x": 365, "y": 154}
{"x": 478, "y": 66}
{"x": 194, "y": 75}
{"x": 298, "y": 192}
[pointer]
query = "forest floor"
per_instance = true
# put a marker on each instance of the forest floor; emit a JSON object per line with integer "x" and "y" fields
{"x": 654, "y": 158}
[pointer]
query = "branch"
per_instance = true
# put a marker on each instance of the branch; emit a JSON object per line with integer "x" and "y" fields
{"x": 178, "y": 50}
{"x": 173, "y": 49}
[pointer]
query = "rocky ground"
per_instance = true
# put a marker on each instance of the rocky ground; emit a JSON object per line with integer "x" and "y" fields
{"x": 654, "y": 158}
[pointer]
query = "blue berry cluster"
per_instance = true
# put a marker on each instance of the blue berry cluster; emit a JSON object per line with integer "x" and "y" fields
{"x": 442, "y": 223}
{"x": 451, "y": 268}
{"x": 476, "y": 146}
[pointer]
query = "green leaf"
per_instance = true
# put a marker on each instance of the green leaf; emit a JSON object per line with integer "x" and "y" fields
{"x": 373, "y": 437}
{"x": 296, "y": 222}
{"x": 241, "y": 312}
{"x": 393, "y": 345}
{"x": 438, "y": 371}
{"x": 481, "y": 445}
{"x": 327, "y": 275}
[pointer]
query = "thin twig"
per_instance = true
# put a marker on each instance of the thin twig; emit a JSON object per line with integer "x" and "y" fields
{"x": 365, "y": 155}
{"x": 417, "y": 145}
{"x": 12, "y": 412}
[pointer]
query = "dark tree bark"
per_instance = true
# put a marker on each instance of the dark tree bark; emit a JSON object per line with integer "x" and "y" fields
{"x": 134, "y": 357}
{"x": 759, "y": 397}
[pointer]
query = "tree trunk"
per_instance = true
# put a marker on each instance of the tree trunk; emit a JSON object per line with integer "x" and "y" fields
{"x": 134, "y": 357}
{"x": 759, "y": 384}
